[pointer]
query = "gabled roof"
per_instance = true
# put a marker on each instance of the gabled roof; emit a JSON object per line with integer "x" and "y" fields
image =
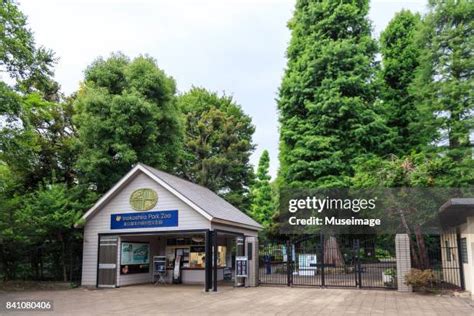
{"x": 201, "y": 199}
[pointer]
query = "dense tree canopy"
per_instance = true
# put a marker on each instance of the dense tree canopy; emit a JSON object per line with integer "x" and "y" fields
{"x": 30, "y": 66}
{"x": 400, "y": 59}
{"x": 126, "y": 113}
{"x": 326, "y": 100}
{"x": 36, "y": 148}
{"x": 263, "y": 205}
{"x": 217, "y": 145}
{"x": 444, "y": 84}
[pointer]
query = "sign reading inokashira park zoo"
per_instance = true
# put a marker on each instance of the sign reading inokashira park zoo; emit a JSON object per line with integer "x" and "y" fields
{"x": 144, "y": 219}
{"x": 143, "y": 199}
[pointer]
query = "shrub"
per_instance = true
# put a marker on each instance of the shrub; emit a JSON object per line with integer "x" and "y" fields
{"x": 420, "y": 279}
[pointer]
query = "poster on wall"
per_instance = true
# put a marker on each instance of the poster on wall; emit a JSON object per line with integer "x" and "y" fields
{"x": 241, "y": 266}
{"x": 135, "y": 258}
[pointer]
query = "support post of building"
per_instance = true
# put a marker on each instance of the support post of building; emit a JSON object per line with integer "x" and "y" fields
{"x": 402, "y": 251}
{"x": 214, "y": 263}
{"x": 208, "y": 261}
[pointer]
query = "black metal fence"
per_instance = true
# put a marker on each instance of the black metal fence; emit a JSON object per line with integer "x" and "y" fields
{"x": 442, "y": 257}
{"x": 328, "y": 261}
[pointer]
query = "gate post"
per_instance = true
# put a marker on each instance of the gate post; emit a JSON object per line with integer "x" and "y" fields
{"x": 251, "y": 251}
{"x": 289, "y": 263}
{"x": 358, "y": 265}
{"x": 402, "y": 251}
{"x": 323, "y": 281}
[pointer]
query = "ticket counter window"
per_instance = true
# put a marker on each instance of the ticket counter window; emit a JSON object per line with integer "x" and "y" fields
{"x": 197, "y": 256}
{"x": 221, "y": 256}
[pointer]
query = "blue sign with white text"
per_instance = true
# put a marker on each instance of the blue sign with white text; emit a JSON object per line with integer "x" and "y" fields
{"x": 144, "y": 219}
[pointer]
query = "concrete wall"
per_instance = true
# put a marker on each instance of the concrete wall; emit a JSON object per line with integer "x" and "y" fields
{"x": 467, "y": 231}
{"x": 189, "y": 219}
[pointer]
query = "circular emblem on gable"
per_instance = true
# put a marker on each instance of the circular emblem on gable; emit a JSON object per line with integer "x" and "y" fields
{"x": 143, "y": 199}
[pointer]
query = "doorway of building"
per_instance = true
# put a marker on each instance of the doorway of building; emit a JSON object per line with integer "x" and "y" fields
{"x": 107, "y": 263}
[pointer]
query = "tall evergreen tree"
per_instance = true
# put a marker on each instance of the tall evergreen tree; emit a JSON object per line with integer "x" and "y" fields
{"x": 217, "y": 145}
{"x": 326, "y": 99}
{"x": 400, "y": 59}
{"x": 126, "y": 113}
{"x": 445, "y": 81}
{"x": 262, "y": 207}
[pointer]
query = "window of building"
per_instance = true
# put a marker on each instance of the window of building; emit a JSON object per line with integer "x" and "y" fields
{"x": 448, "y": 250}
{"x": 464, "y": 250}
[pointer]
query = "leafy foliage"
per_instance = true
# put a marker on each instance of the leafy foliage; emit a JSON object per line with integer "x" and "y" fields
{"x": 263, "y": 206}
{"x": 327, "y": 97}
{"x": 420, "y": 279}
{"x": 126, "y": 113}
{"x": 30, "y": 66}
{"x": 444, "y": 84}
{"x": 217, "y": 145}
{"x": 415, "y": 170}
{"x": 401, "y": 53}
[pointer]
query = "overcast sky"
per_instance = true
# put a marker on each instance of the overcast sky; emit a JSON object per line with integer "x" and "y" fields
{"x": 232, "y": 46}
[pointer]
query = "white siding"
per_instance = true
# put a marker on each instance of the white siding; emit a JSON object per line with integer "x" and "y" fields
{"x": 467, "y": 231}
{"x": 189, "y": 219}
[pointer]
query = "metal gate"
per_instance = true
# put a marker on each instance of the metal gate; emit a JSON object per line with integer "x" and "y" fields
{"x": 107, "y": 261}
{"x": 444, "y": 256}
{"x": 328, "y": 261}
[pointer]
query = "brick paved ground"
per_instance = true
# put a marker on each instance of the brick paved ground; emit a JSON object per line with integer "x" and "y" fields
{"x": 191, "y": 300}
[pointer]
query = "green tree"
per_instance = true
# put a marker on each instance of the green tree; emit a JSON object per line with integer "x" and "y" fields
{"x": 263, "y": 206}
{"x": 417, "y": 170}
{"x": 414, "y": 170}
{"x": 48, "y": 215}
{"x": 444, "y": 84}
{"x": 38, "y": 141}
{"x": 326, "y": 100}
{"x": 126, "y": 113}
{"x": 400, "y": 59}
{"x": 28, "y": 65}
{"x": 217, "y": 145}
{"x": 33, "y": 134}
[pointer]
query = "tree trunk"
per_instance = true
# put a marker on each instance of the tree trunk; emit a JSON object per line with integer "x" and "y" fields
{"x": 70, "y": 260}
{"x": 41, "y": 264}
{"x": 332, "y": 252}
{"x": 420, "y": 242}
{"x": 63, "y": 256}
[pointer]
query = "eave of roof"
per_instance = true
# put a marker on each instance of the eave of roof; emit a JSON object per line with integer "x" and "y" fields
{"x": 455, "y": 211}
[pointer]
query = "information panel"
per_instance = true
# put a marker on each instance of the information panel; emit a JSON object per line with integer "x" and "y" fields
{"x": 144, "y": 219}
{"x": 241, "y": 266}
{"x": 134, "y": 257}
{"x": 135, "y": 253}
